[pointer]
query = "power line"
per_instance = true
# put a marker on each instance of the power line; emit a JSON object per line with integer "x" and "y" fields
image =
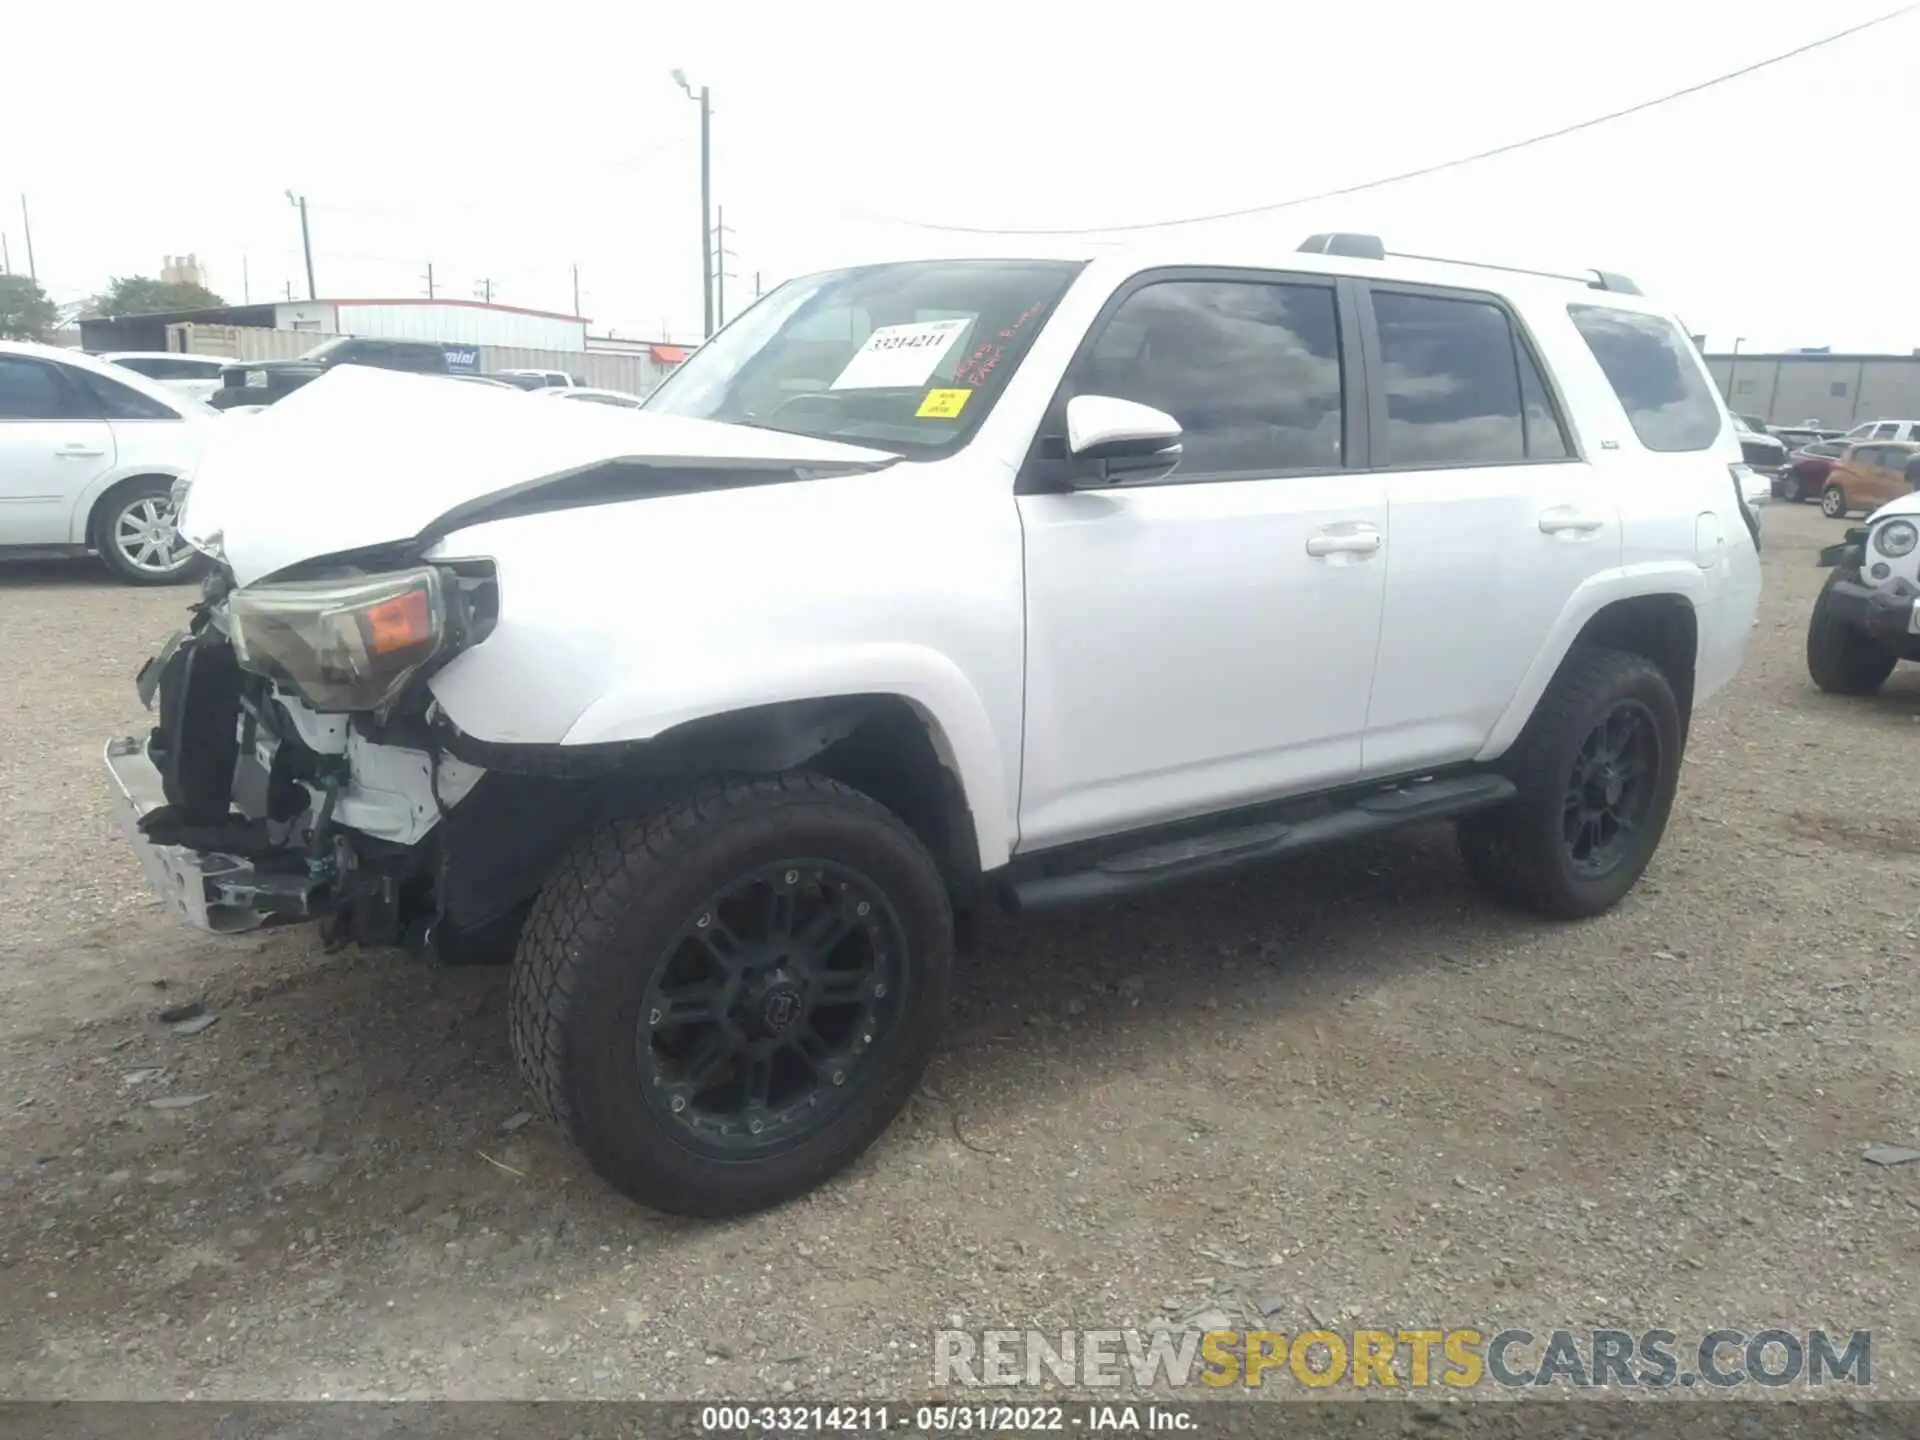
{"x": 1422, "y": 171}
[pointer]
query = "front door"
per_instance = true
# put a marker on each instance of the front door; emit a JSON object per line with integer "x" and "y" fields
{"x": 52, "y": 445}
{"x": 1205, "y": 640}
{"x": 1492, "y": 521}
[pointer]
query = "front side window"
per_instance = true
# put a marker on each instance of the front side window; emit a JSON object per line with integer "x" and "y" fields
{"x": 1250, "y": 369}
{"x": 1655, "y": 372}
{"x": 34, "y": 390}
{"x": 906, "y": 357}
{"x": 1460, "y": 387}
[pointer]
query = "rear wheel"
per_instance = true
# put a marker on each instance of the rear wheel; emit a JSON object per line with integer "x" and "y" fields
{"x": 1792, "y": 488}
{"x": 1842, "y": 660}
{"x": 133, "y": 532}
{"x": 1596, "y": 770}
{"x": 1833, "y": 503}
{"x": 724, "y": 1003}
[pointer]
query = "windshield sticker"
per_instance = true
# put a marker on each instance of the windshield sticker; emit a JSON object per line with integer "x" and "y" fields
{"x": 942, "y": 405}
{"x": 900, "y": 356}
{"x": 987, "y": 356}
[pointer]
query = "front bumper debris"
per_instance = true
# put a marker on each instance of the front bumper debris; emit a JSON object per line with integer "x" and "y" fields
{"x": 221, "y": 894}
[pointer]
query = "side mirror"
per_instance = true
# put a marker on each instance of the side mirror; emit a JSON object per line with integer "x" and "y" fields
{"x": 1128, "y": 441}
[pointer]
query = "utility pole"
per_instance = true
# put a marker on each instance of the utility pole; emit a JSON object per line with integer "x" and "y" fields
{"x": 756, "y": 284}
{"x": 576, "y": 287}
{"x": 429, "y": 280}
{"x": 289, "y": 290}
{"x": 484, "y": 291}
{"x": 6, "y": 260}
{"x": 27, "y": 226}
{"x": 306, "y": 241}
{"x": 720, "y": 272}
{"x": 706, "y": 196}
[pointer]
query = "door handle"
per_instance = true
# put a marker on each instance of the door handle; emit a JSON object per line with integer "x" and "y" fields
{"x": 1364, "y": 541}
{"x": 81, "y": 450}
{"x": 1565, "y": 519}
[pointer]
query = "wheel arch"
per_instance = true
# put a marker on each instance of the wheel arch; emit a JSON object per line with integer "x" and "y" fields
{"x": 1653, "y": 612}
{"x": 93, "y": 501}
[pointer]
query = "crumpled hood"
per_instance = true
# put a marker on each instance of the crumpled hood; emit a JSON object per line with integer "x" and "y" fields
{"x": 364, "y": 457}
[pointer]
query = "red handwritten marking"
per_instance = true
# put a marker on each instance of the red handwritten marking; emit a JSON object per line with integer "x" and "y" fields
{"x": 987, "y": 356}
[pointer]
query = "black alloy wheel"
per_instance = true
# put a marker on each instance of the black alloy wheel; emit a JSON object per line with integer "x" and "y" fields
{"x": 763, "y": 1021}
{"x": 1611, "y": 788}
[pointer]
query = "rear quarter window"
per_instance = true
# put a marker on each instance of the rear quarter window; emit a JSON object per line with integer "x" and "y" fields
{"x": 1651, "y": 368}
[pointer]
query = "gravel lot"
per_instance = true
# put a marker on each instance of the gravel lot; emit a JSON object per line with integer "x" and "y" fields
{"x": 1346, "y": 1091}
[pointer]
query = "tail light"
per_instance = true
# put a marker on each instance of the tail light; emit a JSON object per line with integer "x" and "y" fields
{"x": 1746, "y": 481}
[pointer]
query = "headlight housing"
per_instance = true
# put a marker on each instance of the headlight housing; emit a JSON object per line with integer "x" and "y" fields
{"x": 1896, "y": 538}
{"x": 344, "y": 645}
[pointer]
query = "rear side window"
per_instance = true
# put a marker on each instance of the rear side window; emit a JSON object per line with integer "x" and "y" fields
{"x": 1652, "y": 369}
{"x": 1460, "y": 389}
{"x": 116, "y": 402}
{"x": 34, "y": 390}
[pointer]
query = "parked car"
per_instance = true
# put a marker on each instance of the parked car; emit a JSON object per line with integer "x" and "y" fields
{"x": 1884, "y": 430}
{"x": 263, "y": 382}
{"x": 89, "y": 452}
{"x": 1077, "y": 590}
{"x": 1806, "y": 471}
{"x": 1766, "y": 455}
{"x": 487, "y": 380}
{"x": 1866, "y": 477}
{"x": 195, "y": 375}
{"x": 1798, "y": 436}
{"x": 540, "y": 379}
{"x": 1867, "y": 617}
{"x": 597, "y": 396}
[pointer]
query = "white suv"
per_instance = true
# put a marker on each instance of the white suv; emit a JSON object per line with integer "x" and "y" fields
{"x": 924, "y": 586}
{"x": 88, "y": 455}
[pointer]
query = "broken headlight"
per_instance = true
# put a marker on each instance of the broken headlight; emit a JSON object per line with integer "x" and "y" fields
{"x": 342, "y": 644}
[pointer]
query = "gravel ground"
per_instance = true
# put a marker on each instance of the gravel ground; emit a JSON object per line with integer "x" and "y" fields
{"x": 1344, "y": 1090}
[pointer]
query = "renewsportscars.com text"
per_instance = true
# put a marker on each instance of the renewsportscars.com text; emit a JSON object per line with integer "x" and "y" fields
{"x": 1458, "y": 1358}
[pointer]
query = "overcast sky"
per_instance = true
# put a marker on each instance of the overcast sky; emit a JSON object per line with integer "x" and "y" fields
{"x": 511, "y": 141}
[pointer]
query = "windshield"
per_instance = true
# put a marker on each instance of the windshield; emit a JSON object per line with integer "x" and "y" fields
{"x": 326, "y": 347}
{"x": 906, "y": 357}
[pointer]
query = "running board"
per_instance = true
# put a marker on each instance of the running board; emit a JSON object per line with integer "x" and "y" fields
{"x": 1152, "y": 866}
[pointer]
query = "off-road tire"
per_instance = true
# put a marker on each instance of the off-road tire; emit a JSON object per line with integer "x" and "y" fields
{"x": 1833, "y": 503}
{"x": 602, "y": 926}
{"x": 1841, "y": 660}
{"x": 1519, "y": 851}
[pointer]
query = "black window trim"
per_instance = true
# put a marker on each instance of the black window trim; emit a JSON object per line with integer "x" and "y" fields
{"x": 1523, "y": 340}
{"x": 86, "y": 411}
{"x": 1041, "y": 475}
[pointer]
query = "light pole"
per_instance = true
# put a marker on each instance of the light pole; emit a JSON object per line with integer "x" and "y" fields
{"x": 299, "y": 202}
{"x": 706, "y": 197}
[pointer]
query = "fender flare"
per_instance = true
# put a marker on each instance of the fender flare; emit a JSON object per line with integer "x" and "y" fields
{"x": 1683, "y": 579}
{"x": 937, "y": 689}
{"x": 78, "y": 527}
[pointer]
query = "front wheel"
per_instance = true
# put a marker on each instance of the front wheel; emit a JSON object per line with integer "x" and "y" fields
{"x": 725, "y": 1002}
{"x": 1833, "y": 503}
{"x": 1596, "y": 770}
{"x": 1842, "y": 660}
{"x": 135, "y": 537}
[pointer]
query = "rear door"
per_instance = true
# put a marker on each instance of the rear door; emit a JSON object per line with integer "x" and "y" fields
{"x": 53, "y": 444}
{"x": 1493, "y": 520}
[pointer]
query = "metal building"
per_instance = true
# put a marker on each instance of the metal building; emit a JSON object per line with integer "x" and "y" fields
{"x": 1834, "y": 391}
{"x": 462, "y": 322}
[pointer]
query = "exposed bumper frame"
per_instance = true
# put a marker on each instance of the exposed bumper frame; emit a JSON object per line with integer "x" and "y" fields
{"x": 221, "y": 894}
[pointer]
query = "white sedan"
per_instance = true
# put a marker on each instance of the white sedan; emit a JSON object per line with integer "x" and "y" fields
{"x": 89, "y": 453}
{"x": 195, "y": 375}
{"x": 596, "y": 397}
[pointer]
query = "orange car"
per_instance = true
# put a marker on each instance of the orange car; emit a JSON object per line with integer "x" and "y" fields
{"x": 1865, "y": 477}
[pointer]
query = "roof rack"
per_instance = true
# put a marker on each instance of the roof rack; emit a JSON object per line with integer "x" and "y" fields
{"x": 1372, "y": 247}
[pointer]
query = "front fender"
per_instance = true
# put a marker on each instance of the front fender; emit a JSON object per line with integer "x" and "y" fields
{"x": 1632, "y": 582}
{"x": 956, "y": 718}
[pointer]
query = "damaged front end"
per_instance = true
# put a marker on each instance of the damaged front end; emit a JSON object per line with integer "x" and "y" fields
{"x": 293, "y": 770}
